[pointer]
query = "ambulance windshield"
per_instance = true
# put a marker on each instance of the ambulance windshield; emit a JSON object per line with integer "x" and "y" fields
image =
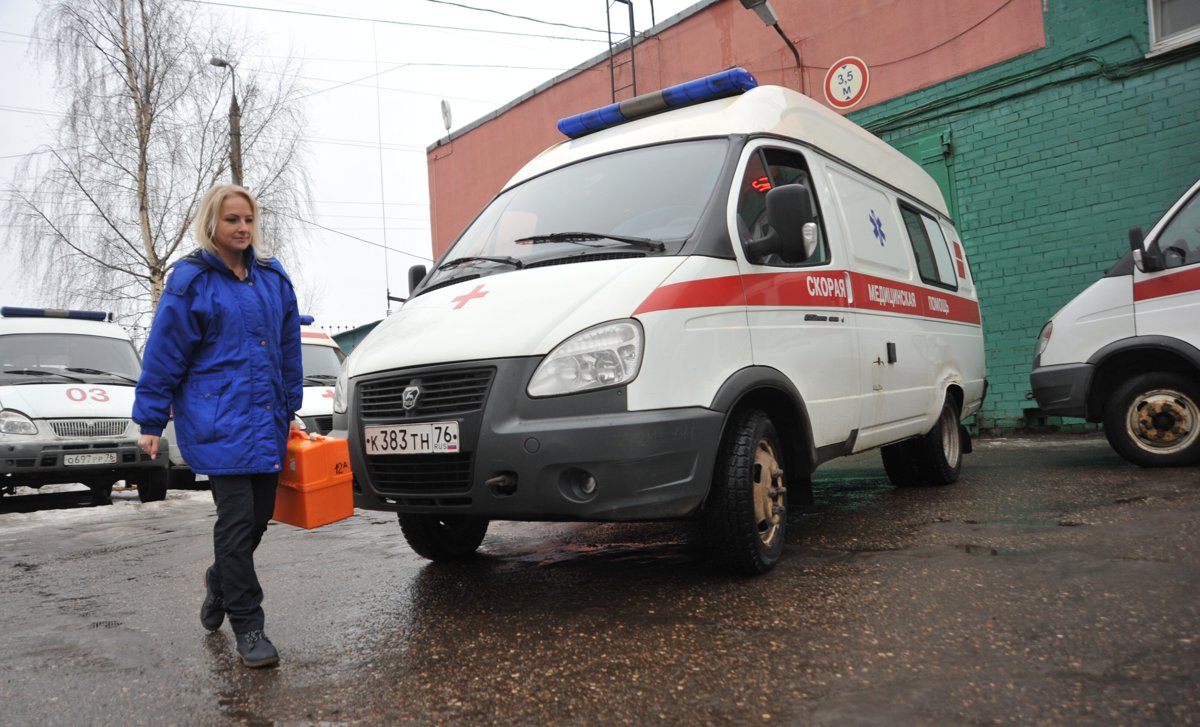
{"x": 51, "y": 357}
{"x": 646, "y": 201}
{"x": 321, "y": 363}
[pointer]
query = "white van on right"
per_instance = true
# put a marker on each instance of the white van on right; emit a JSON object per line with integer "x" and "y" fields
{"x": 1126, "y": 351}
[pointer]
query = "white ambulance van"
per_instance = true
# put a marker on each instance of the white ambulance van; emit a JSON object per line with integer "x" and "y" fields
{"x": 322, "y": 359}
{"x": 679, "y": 312}
{"x": 322, "y": 362}
{"x": 1126, "y": 351}
{"x": 66, "y": 397}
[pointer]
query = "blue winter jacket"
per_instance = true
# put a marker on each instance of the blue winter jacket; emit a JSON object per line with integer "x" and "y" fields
{"x": 224, "y": 357}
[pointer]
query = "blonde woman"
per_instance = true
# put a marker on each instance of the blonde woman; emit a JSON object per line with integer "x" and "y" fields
{"x": 224, "y": 358}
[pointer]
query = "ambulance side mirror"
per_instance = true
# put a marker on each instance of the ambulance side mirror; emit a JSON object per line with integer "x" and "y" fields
{"x": 1148, "y": 259}
{"x": 415, "y": 275}
{"x": 793, "y": 235}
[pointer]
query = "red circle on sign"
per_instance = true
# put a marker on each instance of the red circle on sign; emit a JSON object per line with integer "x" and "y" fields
{"x": 846, "y": 82}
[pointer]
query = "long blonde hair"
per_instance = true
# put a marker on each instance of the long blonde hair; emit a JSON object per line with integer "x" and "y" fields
{"x": 205, "y": 223}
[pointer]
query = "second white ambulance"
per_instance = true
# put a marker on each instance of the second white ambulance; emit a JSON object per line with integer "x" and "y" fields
{"x": 1126, "y": 351}
{"x": 681, "y": 311}
{"x": 66, "y": 396}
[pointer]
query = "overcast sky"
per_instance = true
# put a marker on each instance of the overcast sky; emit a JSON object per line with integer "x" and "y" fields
{"x": 376, "y": 88}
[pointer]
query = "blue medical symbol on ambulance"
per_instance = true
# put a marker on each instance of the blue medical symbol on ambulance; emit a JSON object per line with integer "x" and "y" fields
{"x": 877, "y": 228}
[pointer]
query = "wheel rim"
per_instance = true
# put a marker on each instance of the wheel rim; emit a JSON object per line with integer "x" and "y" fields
{"x": 769, "y": 491}
{"x": 951, "y": 445}
{"x": 1163, "y": 421}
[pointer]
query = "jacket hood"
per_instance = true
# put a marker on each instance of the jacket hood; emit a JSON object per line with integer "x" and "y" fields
{"x": 519, "y": 313}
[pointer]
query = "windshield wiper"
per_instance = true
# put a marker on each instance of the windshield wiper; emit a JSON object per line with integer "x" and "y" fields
{"x": 481, "y": 258}
{"x": 97, "y": 372}
{"x": 31, "y": 372}
{"x": 319, "y": 378}
{"x": 643, "y": 242}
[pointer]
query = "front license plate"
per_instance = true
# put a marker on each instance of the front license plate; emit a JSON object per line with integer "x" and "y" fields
{"x": 428, "y": 438}
{"x": 90, "y": 458}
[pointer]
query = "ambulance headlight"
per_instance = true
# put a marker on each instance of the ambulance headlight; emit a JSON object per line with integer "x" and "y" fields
{"x": 1044, "y": 337}
{"x": 606, "y": 355}
{"x": 341, "y": 392}
{"x": 14, "y": 422}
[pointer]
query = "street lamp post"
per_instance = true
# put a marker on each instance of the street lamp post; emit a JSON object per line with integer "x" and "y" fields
{"x": 766, "y": 13}
{"x": 235, "y": 123}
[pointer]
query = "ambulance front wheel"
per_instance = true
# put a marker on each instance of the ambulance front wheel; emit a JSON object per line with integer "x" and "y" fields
{"x": 934, "y": 459}
{"x": 101, "y": 491}
{"x": 747, "y": 507}
{"x": 443, "y": 537}
{"x": 153, "y": 486}
{"x": 1153, "y": 420}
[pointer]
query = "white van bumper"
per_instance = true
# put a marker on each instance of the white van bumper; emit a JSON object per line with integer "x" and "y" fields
{"x": 1063, "y": 390}
{"x": 577, "y": 457}
{"x": 37, "y": 463}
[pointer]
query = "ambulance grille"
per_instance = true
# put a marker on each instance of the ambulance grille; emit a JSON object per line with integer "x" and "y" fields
{"x": 324, "y": 424}
{"x": 420, "y": 473}
{"x": 89, "y": 427}
{"x": 442, "y": 393}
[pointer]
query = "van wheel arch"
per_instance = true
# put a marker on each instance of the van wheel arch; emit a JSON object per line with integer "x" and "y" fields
{"x": 1123, "y": 360}
{"x": 770, "y": 391}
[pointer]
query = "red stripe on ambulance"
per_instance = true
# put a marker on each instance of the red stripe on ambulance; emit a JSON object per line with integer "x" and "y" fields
{"x": 706, "y": 293}
{"x": 826, "y": 289}
{"x": 1184, "y": 281}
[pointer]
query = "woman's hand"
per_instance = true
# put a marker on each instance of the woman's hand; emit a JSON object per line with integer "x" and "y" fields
{"x": 148, "y": 443}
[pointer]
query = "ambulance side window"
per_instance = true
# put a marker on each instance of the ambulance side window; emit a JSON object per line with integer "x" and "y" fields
{"x": 770, "y": 168}
{"x": 1180, "y": 239}
{"x": 929, "y": 246}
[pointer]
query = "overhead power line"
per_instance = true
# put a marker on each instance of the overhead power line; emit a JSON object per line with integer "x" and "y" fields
{"x": 517, "y": 17}
{"x": 395, "y": 22}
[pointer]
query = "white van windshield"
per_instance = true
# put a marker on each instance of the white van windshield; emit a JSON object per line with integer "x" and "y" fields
{"x": 39, "y": 357}
{"x": 321, "y": 363}
{"x": 639, "y": 200}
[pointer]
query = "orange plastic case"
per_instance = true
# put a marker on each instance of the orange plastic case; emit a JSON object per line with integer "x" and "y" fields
{"x": 315, "y": 486}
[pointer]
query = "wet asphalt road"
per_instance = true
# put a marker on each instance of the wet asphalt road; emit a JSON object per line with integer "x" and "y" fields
{"x": 1054, "y": 584}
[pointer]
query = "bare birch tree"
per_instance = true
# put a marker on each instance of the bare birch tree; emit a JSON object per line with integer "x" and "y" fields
{"x": 103, "y": 213}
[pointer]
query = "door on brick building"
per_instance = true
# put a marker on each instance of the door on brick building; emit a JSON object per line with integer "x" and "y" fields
{"x": 935, "y": 153}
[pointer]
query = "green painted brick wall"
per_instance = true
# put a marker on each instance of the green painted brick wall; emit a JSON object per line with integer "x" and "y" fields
{"x": 1056, "y": 154}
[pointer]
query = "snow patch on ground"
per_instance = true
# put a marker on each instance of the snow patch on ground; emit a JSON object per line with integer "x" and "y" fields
{"x": 125, "y": 504}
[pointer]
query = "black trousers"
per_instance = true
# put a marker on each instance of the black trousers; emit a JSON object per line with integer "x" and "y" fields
{"x": 245, "y": 504}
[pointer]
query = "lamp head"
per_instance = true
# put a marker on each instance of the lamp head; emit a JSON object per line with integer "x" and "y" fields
{"x": 763, "y": 9}
{"x": 222, "y": 63}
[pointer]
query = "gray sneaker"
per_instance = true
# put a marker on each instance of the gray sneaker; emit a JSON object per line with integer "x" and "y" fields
{"x": 212, "y": 611}
{"x": 256, "y": 649}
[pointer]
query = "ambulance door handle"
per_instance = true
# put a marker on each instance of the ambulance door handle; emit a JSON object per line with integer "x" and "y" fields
{"x": 849, "y": 289}
{"x": 891, "y": 348}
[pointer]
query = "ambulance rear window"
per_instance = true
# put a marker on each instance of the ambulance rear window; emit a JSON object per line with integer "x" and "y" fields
{"x": 57, "y": 352}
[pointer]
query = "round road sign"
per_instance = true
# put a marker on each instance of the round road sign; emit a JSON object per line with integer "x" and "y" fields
{"x": 846, "y": 82}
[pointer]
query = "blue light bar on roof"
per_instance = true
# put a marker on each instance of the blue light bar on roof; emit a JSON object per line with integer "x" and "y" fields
{"x": 306, "y": 320}
{"x": 83, "y": 315}
{"x": 709, "y": 88}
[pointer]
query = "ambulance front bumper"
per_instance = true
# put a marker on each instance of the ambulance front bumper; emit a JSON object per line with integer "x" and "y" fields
{"x": 1063, "y": 390}
{"x": 37, "y": 463}
{"x": 579, "y": 457}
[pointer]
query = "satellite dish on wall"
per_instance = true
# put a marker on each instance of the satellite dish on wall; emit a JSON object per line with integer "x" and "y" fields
{"x": 446, "y": 113}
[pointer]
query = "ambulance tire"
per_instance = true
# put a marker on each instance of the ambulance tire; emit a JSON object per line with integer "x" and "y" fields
{"x": 933, "y": 460}
{"x": 442, "y": 538}
{"x": 101, "y": 492}
{"x": 746, "y": 511}
{"x": 1153, "y": 420}
{"x": 154, "y": 487}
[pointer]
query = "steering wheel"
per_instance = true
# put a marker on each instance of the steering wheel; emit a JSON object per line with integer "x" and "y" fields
{"x": 1176, "y": 254}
